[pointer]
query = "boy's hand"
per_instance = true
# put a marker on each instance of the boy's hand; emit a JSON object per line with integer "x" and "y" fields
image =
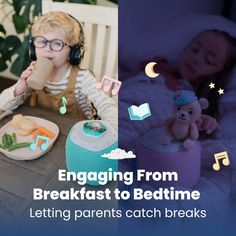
{"x": 22, "y": 86}
{"x": 208, "y": 124}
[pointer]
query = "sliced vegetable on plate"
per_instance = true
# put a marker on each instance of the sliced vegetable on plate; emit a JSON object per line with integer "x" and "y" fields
{"x": 9, "y": 142}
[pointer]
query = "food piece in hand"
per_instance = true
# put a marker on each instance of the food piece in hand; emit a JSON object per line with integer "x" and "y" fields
{"x": 23, "y": 125}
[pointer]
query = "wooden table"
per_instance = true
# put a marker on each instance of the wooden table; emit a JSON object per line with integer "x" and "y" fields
{"x": 18, "y": 178}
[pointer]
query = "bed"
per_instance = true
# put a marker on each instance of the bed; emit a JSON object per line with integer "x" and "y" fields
{"x": 218, "y": 189}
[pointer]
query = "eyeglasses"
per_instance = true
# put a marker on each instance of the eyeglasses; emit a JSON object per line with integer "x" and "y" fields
{"x": 54, "y": 44}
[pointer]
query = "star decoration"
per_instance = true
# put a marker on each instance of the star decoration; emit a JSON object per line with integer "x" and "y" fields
{"x": 221, "y": 91}
{"x": 212, "y": 85}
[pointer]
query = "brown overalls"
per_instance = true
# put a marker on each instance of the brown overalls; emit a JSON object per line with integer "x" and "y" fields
{"x": 54, "y": 102}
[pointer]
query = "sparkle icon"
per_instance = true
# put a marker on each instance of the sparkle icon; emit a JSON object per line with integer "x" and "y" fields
{"x": 221, "y": 91}
{"x": 212, "y": 85}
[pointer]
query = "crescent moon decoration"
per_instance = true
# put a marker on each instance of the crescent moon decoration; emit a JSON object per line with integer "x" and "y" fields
{"x": 149, "y": 70}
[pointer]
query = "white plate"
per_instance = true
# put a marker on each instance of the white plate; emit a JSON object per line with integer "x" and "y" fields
{"x": 22, "y": 154}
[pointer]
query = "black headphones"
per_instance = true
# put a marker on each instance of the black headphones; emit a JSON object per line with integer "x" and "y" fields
{"x": 76, "y": 52}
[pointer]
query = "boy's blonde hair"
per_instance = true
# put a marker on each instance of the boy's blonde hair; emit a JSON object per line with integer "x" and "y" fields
{"x": 56, "y": 20}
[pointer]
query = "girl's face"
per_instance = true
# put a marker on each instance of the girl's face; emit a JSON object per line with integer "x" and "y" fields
{"x": 59, "y": 58}
{"x": 205, "y": 56}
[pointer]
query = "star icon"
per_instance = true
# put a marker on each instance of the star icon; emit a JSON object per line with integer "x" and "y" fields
{"x": 212, "y": 85}
{"x": 221, "y": 91}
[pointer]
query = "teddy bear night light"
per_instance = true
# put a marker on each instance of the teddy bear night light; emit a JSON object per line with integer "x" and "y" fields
{"x": 182, "y": 126}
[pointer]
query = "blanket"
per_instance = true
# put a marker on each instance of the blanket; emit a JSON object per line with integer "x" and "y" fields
{"x": 216, "y": 187}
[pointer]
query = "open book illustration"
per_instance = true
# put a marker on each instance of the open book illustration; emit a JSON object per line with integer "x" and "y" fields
{"x": 139, "y": 112}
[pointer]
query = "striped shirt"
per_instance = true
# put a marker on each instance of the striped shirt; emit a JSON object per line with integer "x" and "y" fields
{"x": 86, "y": 95}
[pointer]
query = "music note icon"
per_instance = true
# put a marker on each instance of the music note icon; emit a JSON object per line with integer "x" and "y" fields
{"x": 218, "y": 156}
{"x": 63, "y": 107}
{"x": 43, "y": 146}
{"x": 107, "y": 86}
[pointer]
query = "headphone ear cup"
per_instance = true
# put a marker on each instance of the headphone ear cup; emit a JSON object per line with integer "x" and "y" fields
{"x": 32, "y": 53}
{"x": 75, "y": 55}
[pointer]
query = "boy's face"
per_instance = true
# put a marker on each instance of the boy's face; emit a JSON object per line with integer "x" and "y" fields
{"x": 59, "y": 58}
{"x": 205, "y": 56}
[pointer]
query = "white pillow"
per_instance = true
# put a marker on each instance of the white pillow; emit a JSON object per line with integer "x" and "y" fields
{"x": 170, "y": 40}
{"x": 227, "y": 107}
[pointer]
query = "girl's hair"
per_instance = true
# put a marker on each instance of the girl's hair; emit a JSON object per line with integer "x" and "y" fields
{"x": 59, "y": 21}
{"x": 220, "y": 79}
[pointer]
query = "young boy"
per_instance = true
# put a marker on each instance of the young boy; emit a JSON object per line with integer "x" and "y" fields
{"x": 59, "y": 37}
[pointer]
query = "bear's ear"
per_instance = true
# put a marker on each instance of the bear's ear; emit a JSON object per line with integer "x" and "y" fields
{"x": 203, "y": 103}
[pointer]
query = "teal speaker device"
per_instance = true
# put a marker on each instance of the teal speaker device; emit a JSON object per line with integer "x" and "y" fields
{"x": 86, "y": 142}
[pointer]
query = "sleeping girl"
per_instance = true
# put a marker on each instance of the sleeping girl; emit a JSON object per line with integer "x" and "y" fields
{"x": 207, "y": 60}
